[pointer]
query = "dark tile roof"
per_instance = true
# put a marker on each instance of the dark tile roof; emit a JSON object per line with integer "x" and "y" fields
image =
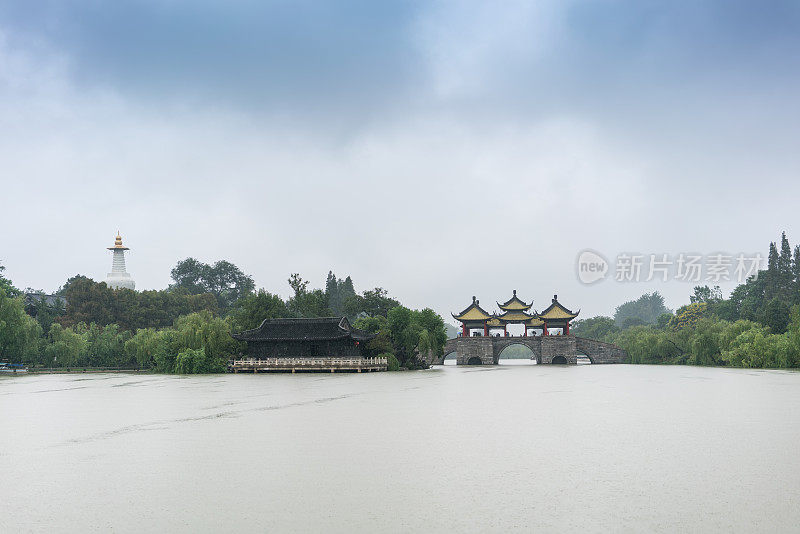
{"x": 49, "y": 300}
{"x": 304, "y": 329}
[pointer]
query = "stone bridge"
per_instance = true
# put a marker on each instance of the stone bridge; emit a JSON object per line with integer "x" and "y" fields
{"x": 546, "y": 349}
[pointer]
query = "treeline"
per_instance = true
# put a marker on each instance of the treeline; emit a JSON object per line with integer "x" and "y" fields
{"x": 186, "y": 328}
{"x": 196, "y": 343}
{"x": 758, "y": 325}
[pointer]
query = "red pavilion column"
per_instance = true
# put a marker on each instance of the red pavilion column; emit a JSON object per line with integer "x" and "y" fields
{"x": 485, "y": 328}
{"x": 464, "y": 330}
{"x": 566, "y": 329}
{"x": 544, "y": 332}
{"x": 525, "y": 331}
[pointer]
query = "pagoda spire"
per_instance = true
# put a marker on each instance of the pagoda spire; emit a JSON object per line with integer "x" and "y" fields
{"x": 119, "y": 278}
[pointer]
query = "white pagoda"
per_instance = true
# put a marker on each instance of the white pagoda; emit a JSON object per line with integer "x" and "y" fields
{"x": 118, "y": 277}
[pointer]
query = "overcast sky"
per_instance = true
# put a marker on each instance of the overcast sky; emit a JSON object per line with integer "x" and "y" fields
{"x": 438, "y": 149}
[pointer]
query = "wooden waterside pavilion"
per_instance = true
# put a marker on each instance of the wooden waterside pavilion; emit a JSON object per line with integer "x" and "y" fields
{"x": 306, "y": 344}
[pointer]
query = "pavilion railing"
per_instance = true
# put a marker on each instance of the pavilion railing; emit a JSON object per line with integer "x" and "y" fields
{"x": 352, "y": 363}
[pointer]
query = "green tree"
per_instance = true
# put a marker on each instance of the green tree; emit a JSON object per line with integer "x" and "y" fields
{"x": 164, "y": 350}
{"x": 705, "y": 342}
{"x": 413, "y": 334}
{"x": 433, "y": 327}
{"x": 392, "y": 363}
{"x": 373, "y": 302}
{"x": 785, "y": 280}
{"x": 399, "y": 323}
{"x": 104, "y": 346}
{"x": 212, "y": 335}
{"x": 776, "y": 316}
{"x": 191, "y": 361}
{"x": 141, "y": 347}
{"x": 190, "y": 276}
{"x": 92, "y": 302}
{"x": 65, "y": 347}
{"x": 706, "y": 294}
{"x": 796, "y": 275}
{"x": 224, "y": 280}
{"x": 632, "y": 321}
{"x": 772, "y": 275}
{"x": 297, "y": 283}
{"x": 88, "y": 302}
{"x": 648, "y": 308}
{"x": 250, "y": 311}
{"x": 793, "y": 338}
{"x": 373, "y": 325}
{"x": 20, "y": 334}
{"x": 599, "y": 327}
{"x": 346, "y": 289}
{"x": 688, "y": 316}
{"x": 645, "y": 344}
{"x": 43, "y": 309}
{"x": 228, "y": 283}
{"x": 338, "y": 291}
{"x": 306, "y": 303}
{"x": 663, "y": 320}
{"x": 332, "y": 293}
{"x": 6, "y": 285}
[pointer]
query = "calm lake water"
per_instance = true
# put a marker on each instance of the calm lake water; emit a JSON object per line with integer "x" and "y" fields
{"x": 513, "y": 447}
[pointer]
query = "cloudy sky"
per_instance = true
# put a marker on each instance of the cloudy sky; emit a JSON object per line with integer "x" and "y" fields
{"x": 438, "y": 149}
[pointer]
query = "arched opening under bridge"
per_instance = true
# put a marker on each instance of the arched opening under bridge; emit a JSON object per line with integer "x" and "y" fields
{"x": 517, "y": 354}
{"x": 474, "y": 361}
{"x": 451, "y": 358}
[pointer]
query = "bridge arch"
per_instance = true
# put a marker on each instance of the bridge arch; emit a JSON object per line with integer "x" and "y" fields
{"x": 474, "y": 361}
{"x": 516, "y": 348}
{"x": 559, "y": 360}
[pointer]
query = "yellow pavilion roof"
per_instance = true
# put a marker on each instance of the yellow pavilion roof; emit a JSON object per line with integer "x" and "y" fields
{"x": 495, "y": 322}
{"x": 514, "y": 304}
{"x": 514, "y": 315}
{"x": 557, "y": 311}
{"x": 473, "y": 313}
{"x": 534, "y": 322}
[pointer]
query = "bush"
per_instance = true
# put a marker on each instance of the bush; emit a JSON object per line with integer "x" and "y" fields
{"x": 191, "y": 361}
{"x": 394, "y": 364}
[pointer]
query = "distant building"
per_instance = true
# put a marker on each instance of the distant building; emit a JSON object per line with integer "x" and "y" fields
{"x": 32, "y": 299}
{"x": 118, "y": 277}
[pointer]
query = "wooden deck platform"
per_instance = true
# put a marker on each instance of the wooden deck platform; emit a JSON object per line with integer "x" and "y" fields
{"x": 294, "y": 365}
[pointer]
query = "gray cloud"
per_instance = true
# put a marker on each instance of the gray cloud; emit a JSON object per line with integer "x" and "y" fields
{"x": 441, "y": 152}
